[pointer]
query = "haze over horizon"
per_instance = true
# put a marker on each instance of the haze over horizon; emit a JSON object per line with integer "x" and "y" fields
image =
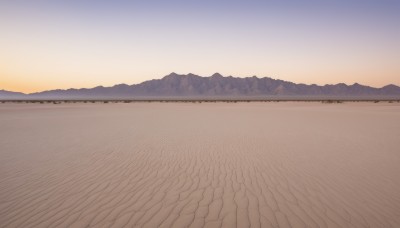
{"x": 182, "y": 80}
{"x": 59, "y": 45}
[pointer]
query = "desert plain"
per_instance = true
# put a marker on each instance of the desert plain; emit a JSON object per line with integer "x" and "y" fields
{"x": 283, "y": 164}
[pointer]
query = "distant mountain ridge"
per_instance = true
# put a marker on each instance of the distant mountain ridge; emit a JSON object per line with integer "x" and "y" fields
{"x": 4, "y": 94}
{"x": 191, "y": 85}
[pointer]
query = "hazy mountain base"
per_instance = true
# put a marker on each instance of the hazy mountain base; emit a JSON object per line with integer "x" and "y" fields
{"x": 201, "y": 98}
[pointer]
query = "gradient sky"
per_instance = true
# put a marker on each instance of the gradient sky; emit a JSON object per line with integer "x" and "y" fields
{"x": 84, "y": 43}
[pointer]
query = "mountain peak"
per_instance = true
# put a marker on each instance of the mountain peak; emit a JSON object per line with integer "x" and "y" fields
{"x": 216, "y": 75}
{"x": 391, "y": 86}
{"x": 172, "y": 74}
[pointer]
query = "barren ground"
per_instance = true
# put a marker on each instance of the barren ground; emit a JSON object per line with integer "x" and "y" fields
{"x": 194, "y": 165}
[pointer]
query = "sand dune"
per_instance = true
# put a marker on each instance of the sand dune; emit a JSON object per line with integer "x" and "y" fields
{"x": 200, "y": 165}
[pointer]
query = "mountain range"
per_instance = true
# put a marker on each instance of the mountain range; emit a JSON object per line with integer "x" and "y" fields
{"x": 191, "y": 85}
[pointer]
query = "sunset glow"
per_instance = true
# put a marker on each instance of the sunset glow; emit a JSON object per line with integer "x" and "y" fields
{"x": 62, "y": 44}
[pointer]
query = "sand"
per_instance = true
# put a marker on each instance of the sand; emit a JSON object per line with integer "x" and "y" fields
{"x": 200, "y": 165}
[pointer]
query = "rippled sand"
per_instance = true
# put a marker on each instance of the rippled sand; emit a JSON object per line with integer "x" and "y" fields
{"x": 194, "y": 165}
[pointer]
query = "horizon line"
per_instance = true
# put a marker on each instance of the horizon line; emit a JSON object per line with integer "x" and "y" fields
{"x": 214, "y": 74}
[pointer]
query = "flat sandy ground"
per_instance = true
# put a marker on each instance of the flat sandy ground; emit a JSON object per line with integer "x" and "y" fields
{"x": 194, "y": 165}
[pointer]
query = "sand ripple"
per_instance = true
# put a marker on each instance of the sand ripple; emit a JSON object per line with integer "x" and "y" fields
{"x": 200, "y": 165}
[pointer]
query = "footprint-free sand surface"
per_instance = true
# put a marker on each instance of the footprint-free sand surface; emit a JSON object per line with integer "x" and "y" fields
{"x": 200, "y": 165}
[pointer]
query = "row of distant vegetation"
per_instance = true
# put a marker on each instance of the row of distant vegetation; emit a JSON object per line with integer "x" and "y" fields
{"x": 326, "y": 101}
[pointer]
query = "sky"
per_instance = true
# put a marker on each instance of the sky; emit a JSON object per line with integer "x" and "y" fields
{"x": 86, "y": 43}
